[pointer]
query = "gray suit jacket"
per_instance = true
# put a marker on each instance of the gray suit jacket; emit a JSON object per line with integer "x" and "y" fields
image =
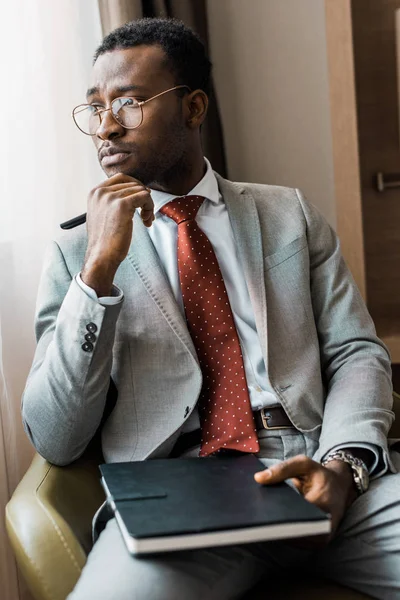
{"x": 325, "y": 363}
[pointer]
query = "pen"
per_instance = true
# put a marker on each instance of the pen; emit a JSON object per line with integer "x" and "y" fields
{"x": 79, "y": 220}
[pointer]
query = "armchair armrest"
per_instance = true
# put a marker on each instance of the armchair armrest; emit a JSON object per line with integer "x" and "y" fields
{"x": 49, "y": 524}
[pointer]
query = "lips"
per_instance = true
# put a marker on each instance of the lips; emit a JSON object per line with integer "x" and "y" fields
{"x": 114, "y": 159}
{"x": 112, "y": 156}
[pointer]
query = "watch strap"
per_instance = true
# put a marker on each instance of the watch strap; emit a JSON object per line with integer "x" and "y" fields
{"x": 361, "y": 479}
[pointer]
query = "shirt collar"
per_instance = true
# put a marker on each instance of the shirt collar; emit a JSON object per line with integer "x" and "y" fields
{"x": 207, "y": 187}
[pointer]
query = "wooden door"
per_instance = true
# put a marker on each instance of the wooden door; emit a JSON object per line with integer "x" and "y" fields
{"x": 374, "y": 42}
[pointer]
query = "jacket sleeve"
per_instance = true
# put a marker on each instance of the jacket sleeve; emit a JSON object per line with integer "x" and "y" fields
{"x": 355, "y": 364}
{"x": 65, "y": 394}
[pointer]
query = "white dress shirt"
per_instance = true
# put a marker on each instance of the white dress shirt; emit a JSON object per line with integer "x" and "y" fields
{"x": 213, "y": 220}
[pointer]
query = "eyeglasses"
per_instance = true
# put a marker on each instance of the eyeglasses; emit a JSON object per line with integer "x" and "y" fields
{"x": 127, "y": 111}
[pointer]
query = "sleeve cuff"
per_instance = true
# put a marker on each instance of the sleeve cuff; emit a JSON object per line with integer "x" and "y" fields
{"x": 379, "y": 466}
{"x": 116, "y": 297}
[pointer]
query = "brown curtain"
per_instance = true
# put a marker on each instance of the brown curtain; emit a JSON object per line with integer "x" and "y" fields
{"x": 193, "y": 13}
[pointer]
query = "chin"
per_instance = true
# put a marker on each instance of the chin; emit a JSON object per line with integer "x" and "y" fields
{"x": 129, "y": 170}
{"x": 111, "y": 172}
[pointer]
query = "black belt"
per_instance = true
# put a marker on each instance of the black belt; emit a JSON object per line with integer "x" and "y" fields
{"x": 266, "y": 418}
{"x": 273, "y": 417}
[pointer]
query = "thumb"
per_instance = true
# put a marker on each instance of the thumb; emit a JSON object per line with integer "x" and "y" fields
{"x": 296, "y": 467}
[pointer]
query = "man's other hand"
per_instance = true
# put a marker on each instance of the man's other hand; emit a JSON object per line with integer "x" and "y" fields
{"x": 331, "y": 488}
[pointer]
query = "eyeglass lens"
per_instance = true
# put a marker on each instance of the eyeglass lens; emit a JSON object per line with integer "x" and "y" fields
{"x": 126, "y": 111}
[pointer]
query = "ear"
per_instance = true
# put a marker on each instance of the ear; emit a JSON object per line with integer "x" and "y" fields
{"x": 197, "y": 105}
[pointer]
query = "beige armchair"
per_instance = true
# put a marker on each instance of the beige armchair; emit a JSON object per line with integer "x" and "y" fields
{"x": 49, "y": 526}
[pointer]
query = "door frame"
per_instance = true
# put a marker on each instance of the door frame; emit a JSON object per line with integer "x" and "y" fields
{"x": 343, "y": 109}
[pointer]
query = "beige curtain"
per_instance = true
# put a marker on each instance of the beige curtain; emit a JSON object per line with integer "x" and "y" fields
{"x": 8, "y": 571}
{"x": 114, "y": 13}
{"x": 48, "y": 167}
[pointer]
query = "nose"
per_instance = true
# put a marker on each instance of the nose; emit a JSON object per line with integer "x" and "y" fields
{"x": 109, "y": 128}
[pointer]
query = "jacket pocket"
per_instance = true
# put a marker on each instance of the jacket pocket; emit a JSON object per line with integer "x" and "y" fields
{"x": 285, "y": 253}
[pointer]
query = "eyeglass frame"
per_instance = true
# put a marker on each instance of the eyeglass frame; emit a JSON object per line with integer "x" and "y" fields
{"x": 140, "y": 104}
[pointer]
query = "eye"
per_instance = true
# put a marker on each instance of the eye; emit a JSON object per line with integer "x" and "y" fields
{"x": 128, "y": 101}
{"x": 95, "y": 108}
{"x": 124, "y": 104}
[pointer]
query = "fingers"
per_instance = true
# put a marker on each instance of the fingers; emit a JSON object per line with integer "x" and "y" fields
{"x": 295, "y": 467}
{"x": 114, "y": 192}
{"x": 132, "y": 191}
{"x": 147, "y": 218}
{"x": 138, "y": 199}
{"x": 121, "y": 187}
{"x": 317, "y": 484}
{"x": 120, "y": 178}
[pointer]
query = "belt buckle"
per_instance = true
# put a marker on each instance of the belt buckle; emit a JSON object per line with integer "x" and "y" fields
{"x": 265, "y": 416}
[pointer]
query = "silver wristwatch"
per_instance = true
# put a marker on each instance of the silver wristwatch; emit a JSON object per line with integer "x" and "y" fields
{"x": 358, "y": 468}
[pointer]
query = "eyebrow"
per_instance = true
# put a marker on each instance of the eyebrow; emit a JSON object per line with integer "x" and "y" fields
{"x": 120, "y": 90}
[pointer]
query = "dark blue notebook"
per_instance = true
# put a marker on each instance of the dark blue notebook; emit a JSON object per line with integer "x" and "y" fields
{"x": 184, "y": 503}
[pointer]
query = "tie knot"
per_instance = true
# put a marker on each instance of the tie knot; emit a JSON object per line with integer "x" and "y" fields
{"x": 183, "y": 209}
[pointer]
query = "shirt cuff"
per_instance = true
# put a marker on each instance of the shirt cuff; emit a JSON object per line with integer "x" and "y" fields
{"x": 378, "y": 467}
{"x": 116, "y": 297}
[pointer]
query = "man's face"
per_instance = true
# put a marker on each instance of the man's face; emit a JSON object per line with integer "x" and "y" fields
{"x": 155, "y": 149}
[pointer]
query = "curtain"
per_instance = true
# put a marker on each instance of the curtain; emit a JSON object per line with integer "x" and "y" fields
{"x": 48, "y": 168}
{"x": 194, "y": 14}
{"x": 8, "y": 572}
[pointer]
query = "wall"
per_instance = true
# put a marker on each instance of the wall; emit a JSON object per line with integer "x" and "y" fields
{"x": 270, "y": 68}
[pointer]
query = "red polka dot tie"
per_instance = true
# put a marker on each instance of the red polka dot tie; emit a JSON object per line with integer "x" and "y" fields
{"x": 225, "y": 412}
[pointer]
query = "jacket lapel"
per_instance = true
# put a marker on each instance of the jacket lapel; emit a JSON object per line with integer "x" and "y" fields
{"x": 245, "y": 224}
{"x": 144, "y": 259}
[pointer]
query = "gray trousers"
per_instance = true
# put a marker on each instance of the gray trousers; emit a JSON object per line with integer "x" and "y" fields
{"x": 364, "y": 555}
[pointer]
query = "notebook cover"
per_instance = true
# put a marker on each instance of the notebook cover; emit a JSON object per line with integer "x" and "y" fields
{"x": 181, "y": 496}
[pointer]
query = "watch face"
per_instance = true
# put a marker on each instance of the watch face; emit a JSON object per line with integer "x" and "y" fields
{"x": 359, "y": 469}
{"x": 364, "y": 479}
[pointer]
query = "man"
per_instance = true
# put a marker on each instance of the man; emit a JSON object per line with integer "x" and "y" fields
{"x": 131, "y": 303}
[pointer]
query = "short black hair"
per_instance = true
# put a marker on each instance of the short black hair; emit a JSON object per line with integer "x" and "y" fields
{"x": 184, "y": 49}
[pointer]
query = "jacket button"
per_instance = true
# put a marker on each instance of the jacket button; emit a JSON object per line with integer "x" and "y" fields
{"x": 90, "y": 337}
{"x": 91, "y": 327}
{"x": 87, "y": 347}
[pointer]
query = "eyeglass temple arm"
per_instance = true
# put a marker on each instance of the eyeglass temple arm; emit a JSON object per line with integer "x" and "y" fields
{"x": 177, "y": 87}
